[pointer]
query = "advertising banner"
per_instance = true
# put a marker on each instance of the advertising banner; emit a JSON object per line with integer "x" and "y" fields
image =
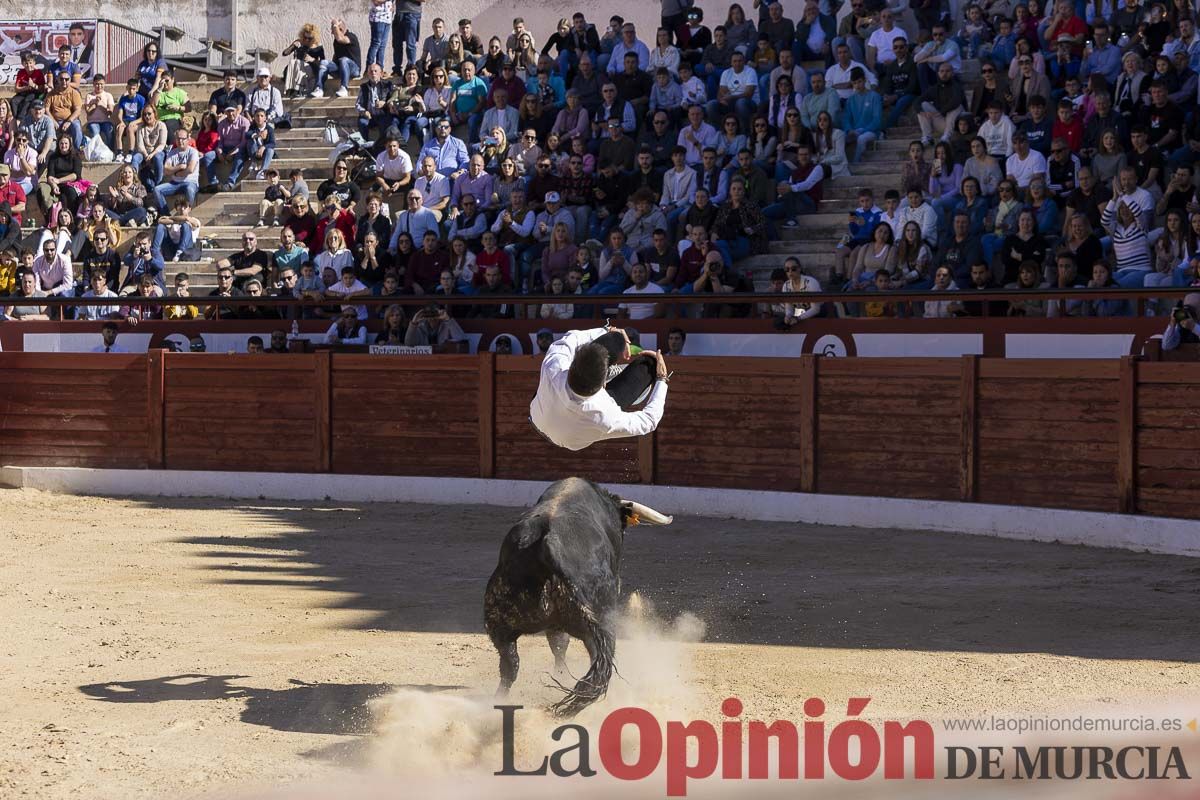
{"x": 44, "y": 37}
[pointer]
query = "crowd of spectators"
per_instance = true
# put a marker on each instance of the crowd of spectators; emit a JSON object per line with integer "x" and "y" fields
{"x": 624, "y": 162}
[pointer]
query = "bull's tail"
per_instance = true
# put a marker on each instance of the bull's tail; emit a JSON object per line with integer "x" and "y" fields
{"x": 593, "y": 686}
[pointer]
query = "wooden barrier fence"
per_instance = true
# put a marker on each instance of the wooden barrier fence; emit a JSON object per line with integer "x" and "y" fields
{"x": 1105, "y": 435}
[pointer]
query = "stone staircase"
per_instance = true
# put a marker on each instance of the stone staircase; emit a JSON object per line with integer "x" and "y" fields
{"x": 224, "y": 216}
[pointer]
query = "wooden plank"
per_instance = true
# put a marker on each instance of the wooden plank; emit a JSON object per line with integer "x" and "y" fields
{"x": 1174, "y": 419}
{"x": 1167, "y": 459}
{"x": 1049, "y": 368}
{"x": 405, "y": 382}
{"x": 1019, "y": 391}
{"x": 266, "y": 409}
{"x": 1039, "y": 430}
{"x": 217, "y": 380}
{"x": 1047, "y": 411}
{"x": 322, "y": 380}
{"x": 1167, "y": 439}
{"x": 155, "y": 411}
{"x": 63, "y": 425}
{"x": 891, "y": 367}
{"x": 808, "y": 422}
{"x": 70, "y": 362}
{"x": 916, "y": 439}
{"x": 486, "y": 403}
{"x": 300, "y": 363}
{"x": 351, "y": 362}
{"x": 969, "y": 428}
{"x": 1163, "y": 396}
{"x": 1166, "y": 372}
{"x": 78, "y": 396}
{"x": 1152, "y": 478}
{"x": 113, "y": 380}
{"x": 645, "y": 457}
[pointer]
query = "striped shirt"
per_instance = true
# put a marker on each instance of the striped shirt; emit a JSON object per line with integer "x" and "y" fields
{"x": 1130, "y": 245}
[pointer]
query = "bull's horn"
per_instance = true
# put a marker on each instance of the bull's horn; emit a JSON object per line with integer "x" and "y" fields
{"x": 647, "y": 514}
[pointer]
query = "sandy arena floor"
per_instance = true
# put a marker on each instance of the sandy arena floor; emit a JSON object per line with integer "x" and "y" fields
{"x": 181, "y": 648}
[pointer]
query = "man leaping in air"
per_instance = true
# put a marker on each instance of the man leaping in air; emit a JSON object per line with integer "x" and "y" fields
{"x": 577, "y": 404}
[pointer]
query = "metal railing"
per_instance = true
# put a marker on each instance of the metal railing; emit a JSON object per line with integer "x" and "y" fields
{"x": 118, "y": 50}
{"x": 983, "y": 297}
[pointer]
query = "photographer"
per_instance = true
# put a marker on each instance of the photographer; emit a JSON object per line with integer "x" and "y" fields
{"x": 432, "y": 326}
{"x": 141, "y": 260}
{"x": 1182, "y": 327}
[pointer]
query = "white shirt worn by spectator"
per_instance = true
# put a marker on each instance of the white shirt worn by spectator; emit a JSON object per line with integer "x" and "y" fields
{"x": 882, "y": 40}
{"x": 575, "y": 422}
{"x": 393, "y": 169}
{"x": 805, "y": 283}
{"x": 837, "y": 74}
{"x": 736, "y": 82}
{"x": 998, "y": 137}
{"x": 1025, "y": 170}
{"x": 433, "y": 190}
{"x": 926, "y": 217}
{"x": 340, "y": 289}
{"x": 115, "y": 348}
{"x": 641, "y": 310}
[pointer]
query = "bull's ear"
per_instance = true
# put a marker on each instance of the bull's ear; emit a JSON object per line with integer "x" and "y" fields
{"x": 639, "y": 513}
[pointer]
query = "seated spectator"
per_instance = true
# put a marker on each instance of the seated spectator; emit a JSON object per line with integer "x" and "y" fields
{"x": 492, "y": 285}
{"x": 349, "y": 287}
{"x": 640, "y": 284}
{"x": 1130, "y": 243}
{"x": 230, "y": 149}
{"x": 99, "y": 289}
{"x": 346, "y": 62}
{"x": 433, "y": 326}
{"x": 346, "y": 329}
{"x": 181, "y": 171}
{"x": 260, "y": 144}
{"x": 395, "y": 326}
{"x": 426, "y": 265}
{"x": 185, "y": 310}
{"x": 941, "y": 104}
{"x": 1029, "y": 278}
{"x": 863, "y": 114}
{"x": 1102, "y": 278}
{"x": 1066, "y": 278}
{"x": 176, "y": 236}
{"x": 793, "y": 313}
{"x": 981, "y": 281}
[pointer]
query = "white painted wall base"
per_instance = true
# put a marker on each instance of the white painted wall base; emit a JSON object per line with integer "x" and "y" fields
{"x": 1148, "y": 534}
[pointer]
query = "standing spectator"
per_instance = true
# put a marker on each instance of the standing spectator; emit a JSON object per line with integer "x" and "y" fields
{"x": 346, "y": 61}
{"x": 380, "y": 19}
{"x": 150, "y": 71}
{"x": 406, "y": 32}
{"x": 1130, "y": 244}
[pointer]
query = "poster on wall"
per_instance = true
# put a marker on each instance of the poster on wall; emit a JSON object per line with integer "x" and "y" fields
{"x": 44, "y": 37}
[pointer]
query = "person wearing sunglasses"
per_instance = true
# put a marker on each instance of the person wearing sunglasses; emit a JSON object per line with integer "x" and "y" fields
{"x": 150, "y": 71}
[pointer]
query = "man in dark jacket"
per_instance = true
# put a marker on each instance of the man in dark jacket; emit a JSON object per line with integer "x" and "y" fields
{"x": 941, "y": 104}
{"x": 898, "y": 82}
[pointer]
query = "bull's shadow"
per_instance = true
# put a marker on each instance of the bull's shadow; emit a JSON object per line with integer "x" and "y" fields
{"x": 423, "y": 568}
{"x": 322, "y": 708}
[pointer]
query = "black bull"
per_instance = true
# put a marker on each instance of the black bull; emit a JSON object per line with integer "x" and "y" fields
{"x": 560, "y": 574}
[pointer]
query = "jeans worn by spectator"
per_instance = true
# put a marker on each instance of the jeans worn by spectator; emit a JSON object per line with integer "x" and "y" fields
{"x": 134, "y": 216}
{"x": 235, "y": 171}
{"x": 171, "y": 189}
{"x": 102, "y": 129}
{"x": 150, "y": 170}
{"x": 377, "y": 51}
{"x": 253, "y": 151}
{"x": 344, "y": 68}
{"x": 406, "y": 28}
{"x": 165, "y": 248}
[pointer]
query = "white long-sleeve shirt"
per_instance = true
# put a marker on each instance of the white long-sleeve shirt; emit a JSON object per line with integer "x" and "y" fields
{"x": 576, "y": 422}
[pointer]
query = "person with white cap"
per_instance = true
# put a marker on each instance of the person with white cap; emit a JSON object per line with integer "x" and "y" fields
{"x": 266, "y": 97}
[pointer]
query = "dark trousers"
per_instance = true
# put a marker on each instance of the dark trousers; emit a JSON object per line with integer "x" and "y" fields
{"x": 632, "y": 381}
